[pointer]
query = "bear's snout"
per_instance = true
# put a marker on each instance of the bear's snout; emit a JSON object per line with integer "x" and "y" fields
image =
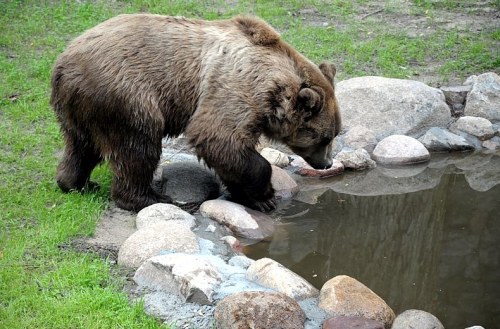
{"x": 324, "y": 164}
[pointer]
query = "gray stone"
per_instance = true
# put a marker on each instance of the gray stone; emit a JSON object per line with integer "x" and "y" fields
{"x": 483, "y": 176}
{"x": 357, "y": 160}
{"x": 360, "y": 137}
{"x": 399, "y": 149}
{"x": 479, "y": 127}
{"x": 441, "y": 140}
{"x": 304, "y": 169}
{"x": 416, "y": 319}
{"x": 151, "y": 240}
{"x": 273, "y": 275}
{"x": 475, "y": 327}
{"x": 233, "y": 243}
{"x": 258, "y": 310}
{"x": 241, "y": 261}
{"x": 186, "y": 275}
{"x": 391, "y": 106}
{"x": 275, "y": 157}
{"x": 284, "y": 185}
{"x": 163, "y": 212}
{"x": 243, "y": 221}
{"x": 492, "y": 144}
{"x": 345, "y": 296}
{"x": 189, "y": 184}
{"x": 484, "y": 98}
{"x": 455, "y": 94}
{"x": 351, "y": 322}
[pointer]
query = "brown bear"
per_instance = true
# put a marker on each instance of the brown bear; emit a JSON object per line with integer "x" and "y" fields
{"x": 122, "y": 86}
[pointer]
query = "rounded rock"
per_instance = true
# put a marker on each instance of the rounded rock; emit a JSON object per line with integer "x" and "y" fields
{"x": 151, "y": 240}
{"x": 400, "y": 149}
{"x": 416, "y": 319}
{"x": 163, "y": 212}
{"x": 258, "y": 310}
{"x": 345, "y": 296}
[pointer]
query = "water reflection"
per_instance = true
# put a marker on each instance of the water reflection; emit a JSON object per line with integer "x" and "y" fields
{"x": 435, "y": 248}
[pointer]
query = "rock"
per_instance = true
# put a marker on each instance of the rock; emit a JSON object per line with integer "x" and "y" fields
{"x": 241, "y": 261}
{"x": 483, "y": 177}
{"x": 210, "y": 228}
{"x": 391, "y": 106}
{"x": 258, "y": 310}
{"x": 304, "y": 169}
{"x": 351, "y": 322}
{"x": 357, "y": 160}
{"x": 360, "y": 137}
{"x": 233, "y": 243}
{"x": 479, "y": 127}
{"x": 484, "y": 98}
{"x": 149, "y": 241}
{"x": 416, "y": 319}
{"x": 189, "y": 276}
{"x": 273, "y": 275}
{"x": 345, "y": 296}
{"x": 243, "y": 221}
{"x": 163, "y": 212}
{"x": 275, "y": 157}
{"x": 455, "y": 98}
{"x": 441, "y": 140}
{"x": 475, "y": 327}
{"x": 399, "y": 149}
{"x": 189, "y": 183}
{"x": 284, "y": 185}
{"x": 492, "y": 144}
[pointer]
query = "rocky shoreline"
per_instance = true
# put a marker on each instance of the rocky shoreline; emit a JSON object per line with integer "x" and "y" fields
{"x": 189, "y": 269}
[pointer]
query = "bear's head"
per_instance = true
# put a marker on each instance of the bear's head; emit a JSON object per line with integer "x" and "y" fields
{"x": 311, "y": 120}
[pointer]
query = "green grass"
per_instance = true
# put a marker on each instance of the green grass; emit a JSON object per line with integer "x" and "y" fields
{"x": 43, "y": 286}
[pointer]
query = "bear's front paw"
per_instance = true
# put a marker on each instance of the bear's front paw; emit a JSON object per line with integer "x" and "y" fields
{"x": 264, "y": 206}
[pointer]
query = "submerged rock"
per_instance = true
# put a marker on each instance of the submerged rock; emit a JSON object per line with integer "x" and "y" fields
{"x": 243, "y": 221}
{"x": 345, "y": 296}
{"x": 399, "y": 149}
{"x": 492, "y": 144}
{"x": 441, "y": 140}
{"x": 391, "y": 106}
{"x": 357, "y": 160}
{"x": 475, "y": 126}
{"x": 273, "y": 275}
{"x": 151, "y": 240}
{"x": 416, "y": 319}
{"x": 484, "y": 98}
{"x": 163, "y": 212}
{"x": 259, "y": 310}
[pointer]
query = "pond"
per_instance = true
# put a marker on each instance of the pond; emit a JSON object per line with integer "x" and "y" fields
{"x": 421, "y": 237}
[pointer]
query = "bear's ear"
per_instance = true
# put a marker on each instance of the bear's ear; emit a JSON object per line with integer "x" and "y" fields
{"x": 311, "y": 99}
{"x": 329, "y": 70}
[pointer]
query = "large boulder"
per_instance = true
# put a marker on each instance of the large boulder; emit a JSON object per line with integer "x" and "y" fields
{"x": 484, "y": 98}
{"x": 391, "y": 106}
{"x": 259, "y": 310}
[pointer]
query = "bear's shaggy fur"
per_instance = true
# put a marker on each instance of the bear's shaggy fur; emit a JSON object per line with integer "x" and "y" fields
{"x": 126, "y": 83}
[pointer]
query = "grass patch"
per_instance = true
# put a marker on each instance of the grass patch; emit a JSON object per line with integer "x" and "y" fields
{"x": 42, "y": 286}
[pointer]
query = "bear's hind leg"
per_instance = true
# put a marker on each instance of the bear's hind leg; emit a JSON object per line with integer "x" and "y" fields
{"x": 133, "y": 169}
{"x": 79, "y": 159}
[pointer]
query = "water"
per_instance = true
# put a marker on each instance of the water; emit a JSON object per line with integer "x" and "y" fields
{"x": 419, "y": 237}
